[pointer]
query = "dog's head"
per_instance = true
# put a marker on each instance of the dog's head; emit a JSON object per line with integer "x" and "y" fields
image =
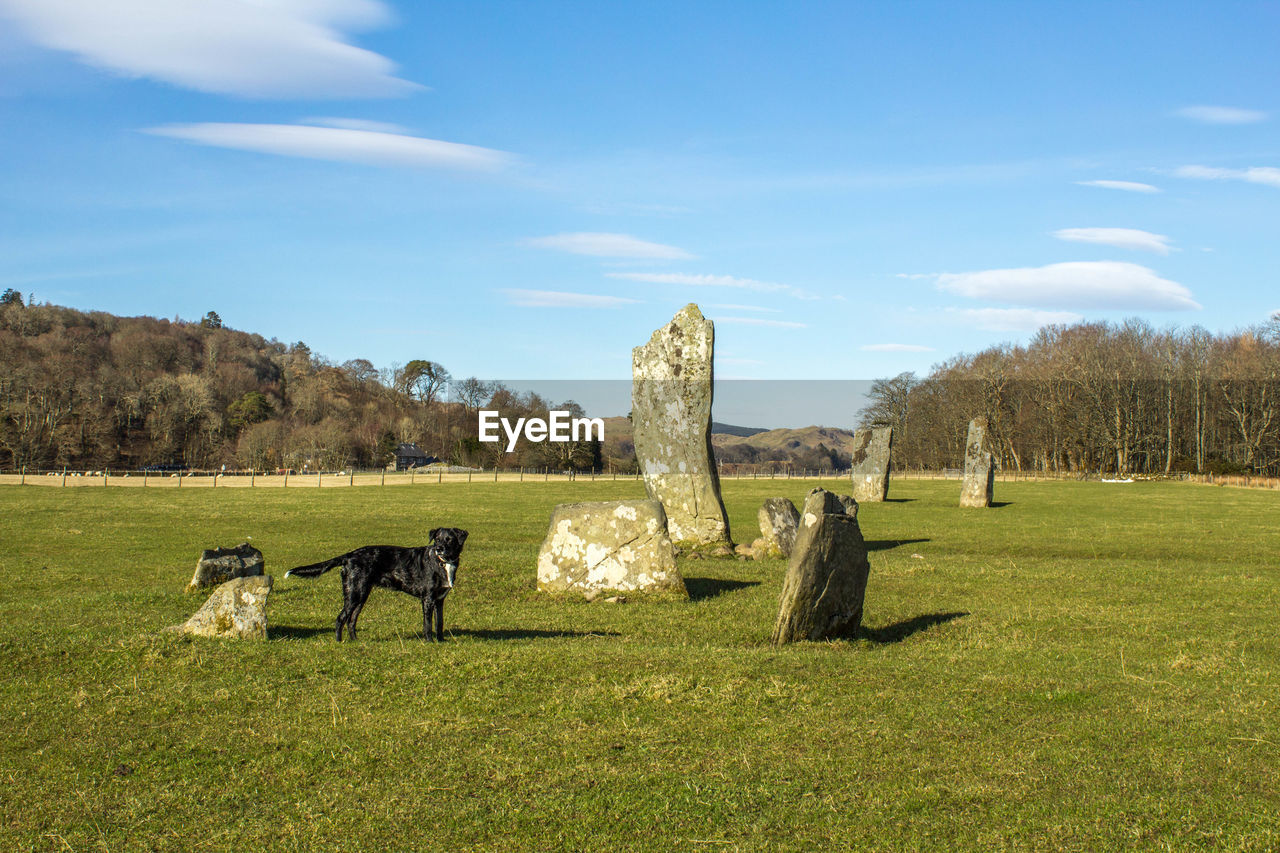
{"x": 447, "y": 542}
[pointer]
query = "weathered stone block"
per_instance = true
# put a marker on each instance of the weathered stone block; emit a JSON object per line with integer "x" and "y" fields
{"x": 609, "y": 546}
{"x": 237, "y": 608}
{"x": 219, "y": 565}
{"x": 778, "y": 519}
{"x": 826, "y": 580}
{"x": 871, "y": 457}
{"x": 978, "y": 487}
{"x": 671, "y": 419}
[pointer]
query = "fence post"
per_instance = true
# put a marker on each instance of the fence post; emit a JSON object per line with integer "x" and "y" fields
{"x": 351, "y": 477}
{"x": 495, "y": 473}
{"x": 24, "y": 476}
{"x": 144, "y": 478}
{"x": 64, "y": 475}
{"x": 104, "y": 477}
{"x": 286, "y": 478}
{"x": 253, "y": 473}
{"x": 215, "y": 479}
{"x": 383, "y": 481}
{"x": 546, "y": 474}
{"x": 413, "y": 472}
{"x": 440, "y": 475}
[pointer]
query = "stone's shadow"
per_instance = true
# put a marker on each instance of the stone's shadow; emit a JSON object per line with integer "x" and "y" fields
{"x": 702, "y": 588}
{"x": 998, "y": 504}
{"x": 295, "y": 632}
{"x": 887, "y": 544}
{"x": 899, "y": 631}
{"x": 522, "y": 633}
{"x": 899, "y": 500}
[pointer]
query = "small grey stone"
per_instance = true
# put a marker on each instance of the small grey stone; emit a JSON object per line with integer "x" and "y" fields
{"x": 778, "y": 518}
{"x": 826, "y": 582}
{"x": 237, "y": 608}
{"x": 609, "y": 546}
{"x": 219, "y": 565}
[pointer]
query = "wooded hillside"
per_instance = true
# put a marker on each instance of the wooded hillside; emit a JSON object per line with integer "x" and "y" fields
{"x": 92, "y": 390}
{"x": 1099, "y": 397}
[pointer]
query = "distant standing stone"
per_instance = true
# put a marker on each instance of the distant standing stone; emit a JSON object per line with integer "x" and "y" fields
{"x": 779, "y": 519}
{"x": 826, "y": 580}
{"x": 601, "y": 546}
{"x": 979, "y": 467}
{"x": 237, "y": 608}
{"x": 671, "y": 419}
{"x": 219, "y": 565}
{"x": 870, "y": 471}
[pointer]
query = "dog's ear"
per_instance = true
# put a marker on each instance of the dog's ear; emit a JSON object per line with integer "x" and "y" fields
{"x": 462, "y": 535}
{"x": 432, "y": 534}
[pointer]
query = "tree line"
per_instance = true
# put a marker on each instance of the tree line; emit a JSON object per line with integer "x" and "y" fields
{"x": 1098, "y": 397}
{"x": 93, "y": 390}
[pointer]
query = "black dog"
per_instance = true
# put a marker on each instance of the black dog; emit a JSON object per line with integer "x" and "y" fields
{"x": 427, "y": 572}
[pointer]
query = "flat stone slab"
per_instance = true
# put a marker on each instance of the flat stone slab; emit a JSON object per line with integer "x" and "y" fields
{"x": 979, "y": 483}
{"x": 826, "y": 582}
{"x": 869, "y": 474}
{"x": 671, "y": 419}
{"x": 779, "y": 519}
{"x": 219, "y": 565}
{"x": 237, "y": 608}
{"x": 609, "y": 546}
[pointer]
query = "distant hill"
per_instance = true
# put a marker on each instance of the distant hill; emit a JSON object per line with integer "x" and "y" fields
{"x": 730, "y": 429}
{"x": 809, "y": 447}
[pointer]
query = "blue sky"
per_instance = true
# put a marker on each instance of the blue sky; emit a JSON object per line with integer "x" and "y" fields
{"x": 527, "y": 190}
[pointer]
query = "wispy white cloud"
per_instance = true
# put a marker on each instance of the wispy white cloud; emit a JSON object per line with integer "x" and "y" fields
{"x": 759, "y": 321}
{"x": 895, "y": 348}
{"x": 1080, "y": 285}
{"x": 1127, "y": 186}
{"x": 1265, "y": 175}
{"x": 605, "y": 245}
{"x": 355, "y": 124}
{"x": 1123, "y": 238}
{"x": 560, "y": 299}
{"x": 250, "y": 48}
{"x": 699, "y": 280}
{"x": 342, "y": 145}
{"x": 1013, "y": 319}
{"x": 1221, "y": 115}
{"x": 916, "y": 275}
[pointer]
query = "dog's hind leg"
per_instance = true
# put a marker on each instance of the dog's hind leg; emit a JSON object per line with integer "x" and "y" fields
{"x": 359, "y": 595}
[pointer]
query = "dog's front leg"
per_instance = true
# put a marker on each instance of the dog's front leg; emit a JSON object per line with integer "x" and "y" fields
{"x": 440, "y": 621}
{"x": 427, "y": 607}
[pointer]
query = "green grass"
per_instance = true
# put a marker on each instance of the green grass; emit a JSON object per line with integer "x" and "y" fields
{"x": 1089, "y": 666}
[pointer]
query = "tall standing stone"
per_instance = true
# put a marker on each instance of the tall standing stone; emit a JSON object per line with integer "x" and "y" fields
{"x": 979, "y": 467}
{"x": 826, "y": 581}
{"x": 671, "y": 419}
{"x": 870, "y": 471}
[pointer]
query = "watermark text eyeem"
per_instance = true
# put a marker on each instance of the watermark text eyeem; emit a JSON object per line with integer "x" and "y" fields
{"x": 558, "y": 427}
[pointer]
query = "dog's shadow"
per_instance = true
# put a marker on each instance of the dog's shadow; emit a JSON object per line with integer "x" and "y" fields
{"x": 523, "y": 633}
{"x": 295, "y": 632}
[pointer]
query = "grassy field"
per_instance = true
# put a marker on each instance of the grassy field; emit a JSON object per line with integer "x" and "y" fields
{"x": 1084, "y": 667}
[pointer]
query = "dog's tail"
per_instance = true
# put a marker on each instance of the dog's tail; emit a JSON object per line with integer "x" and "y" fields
{"x": 315, "y": 570}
